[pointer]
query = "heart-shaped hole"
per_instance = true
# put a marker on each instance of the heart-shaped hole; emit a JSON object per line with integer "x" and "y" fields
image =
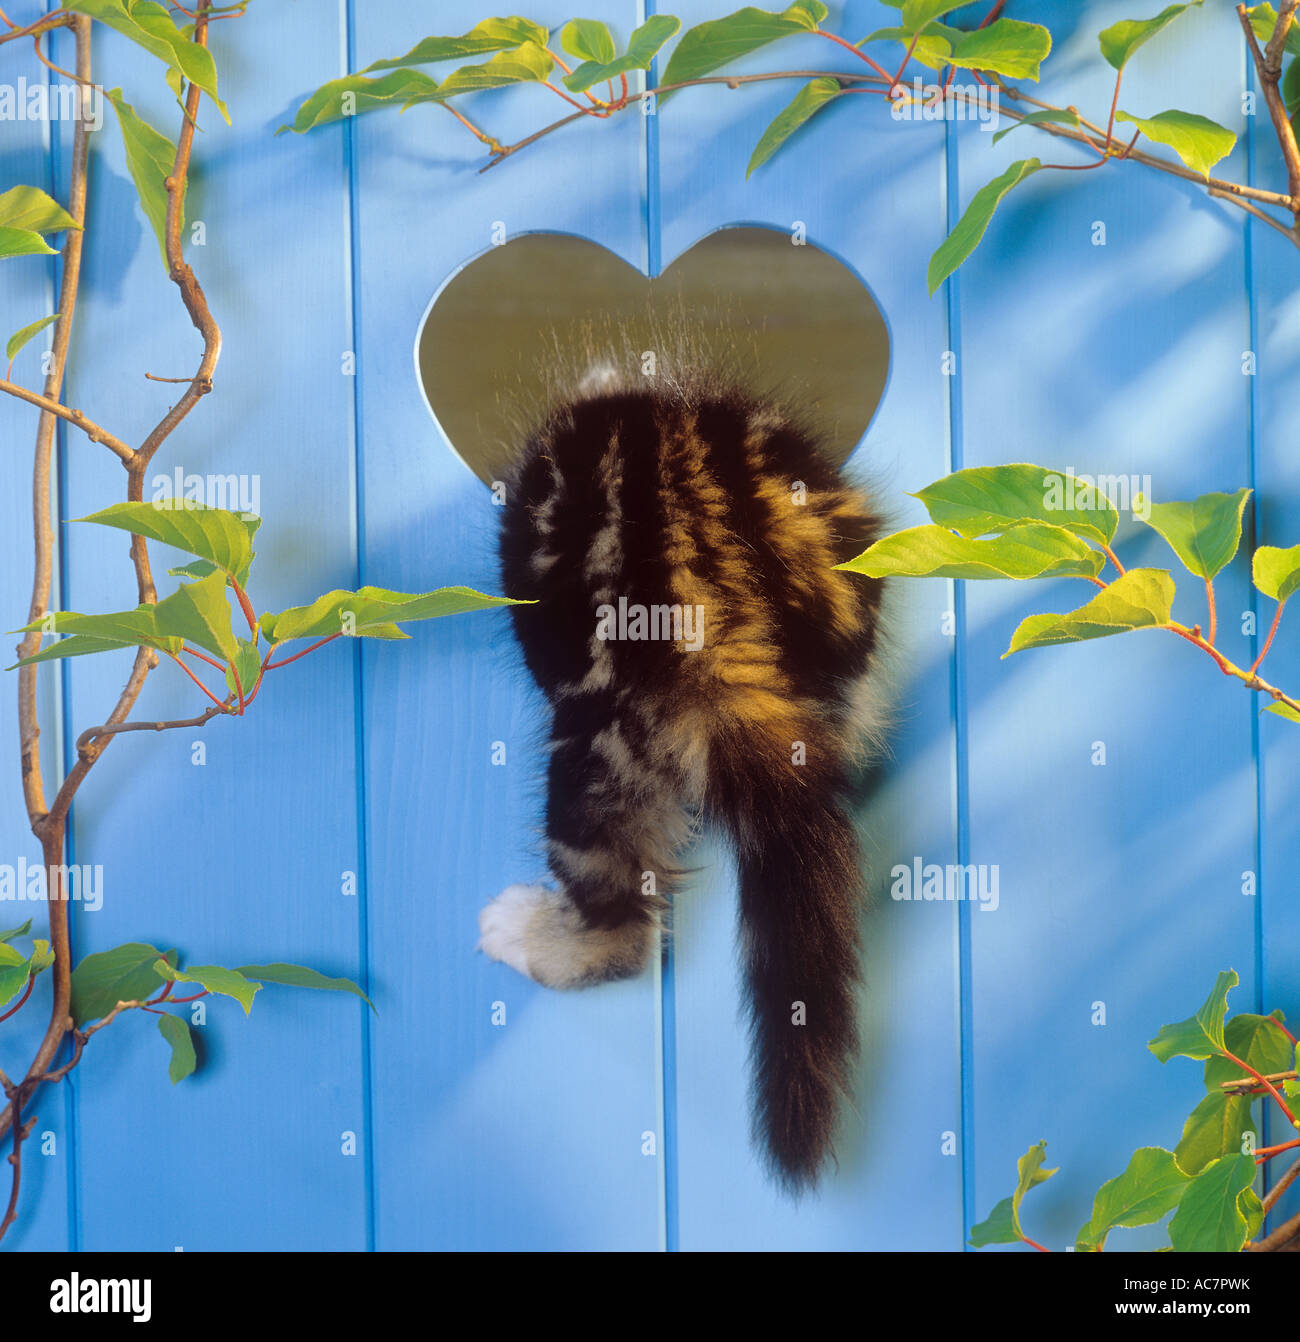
{"x": 516, "y": 330}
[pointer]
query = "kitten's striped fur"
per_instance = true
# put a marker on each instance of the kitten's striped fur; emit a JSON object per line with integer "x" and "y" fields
{"x": 690, "y": 497}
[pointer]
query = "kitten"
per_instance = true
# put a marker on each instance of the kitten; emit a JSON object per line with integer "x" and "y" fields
{"x": 703, "y": 662}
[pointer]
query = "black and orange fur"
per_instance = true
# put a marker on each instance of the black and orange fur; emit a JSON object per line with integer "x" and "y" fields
{"x": 701, "y": 495}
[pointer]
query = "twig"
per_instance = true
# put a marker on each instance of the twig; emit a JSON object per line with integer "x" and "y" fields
{"x": 49, "y": 825}
{"x": 1139, "y": 156}
{"x": 1268, "y": 642}
{"x": 1268, "y": 68}
{"x": 195, "y": 679}
{"x": 1248, "y": 678}
{"x": 33, "y": 784}
{"x": 93, "y": 733}
{"x": 492, "y": 143}
{"x": 269, "y": 665}
{"x": 1289, "y": 233}
{"x": 881, "y": 72}
{"x": 1245, "y": 1085}
{"x": 1285, "y": 1182}
{"x": 60, "y": 19}
{"x": 1282, "y": 1236}
{"x": 53, "y": 406}
{"x": 1266, "y": 1083}
{"x": 846, "y": 79}
{"x": 1277, "y": 43}
{"x": 1238, "y": 193}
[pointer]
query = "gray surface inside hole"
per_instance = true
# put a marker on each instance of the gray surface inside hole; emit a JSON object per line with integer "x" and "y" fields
{"x": 514, "y": 331}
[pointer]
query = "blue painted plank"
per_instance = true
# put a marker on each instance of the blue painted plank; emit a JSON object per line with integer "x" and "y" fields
{"x": 27, "y": 293}
{"x": 1276, "y": 338}
{"x": 879, "y": 209}
{"x": 529, "y": 1134}
{"x": 1121, "y": 883}
{"x": 242, "y": 859}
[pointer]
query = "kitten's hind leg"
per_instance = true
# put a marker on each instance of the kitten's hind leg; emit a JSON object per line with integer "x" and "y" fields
{"x": 613, "y": 827}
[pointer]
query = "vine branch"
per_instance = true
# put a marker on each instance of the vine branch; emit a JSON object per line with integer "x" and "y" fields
{"x": 50, "y": 825}
{"x": 1268, "y": 68}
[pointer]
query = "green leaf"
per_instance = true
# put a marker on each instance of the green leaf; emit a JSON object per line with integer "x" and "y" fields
{"x": 23, "y": 242}
{"x": 1209, "y": 1218}
{"x": 101, "y": 633}
{"x": 150, "y": 156}
{"x": 970, "y": 228}
{"x": 223, "y": 538}
{"x": 248, "y": 662}
{"x": 31, "y": 209}
{"x": 588, "y": 40}
{"x": 807, "y": 103}
{"x": 1031, "y": 550}
{"x": 1197, "y": 140}
{"x": 353, "y": 94}
{"x": 1121, "y": 40}
{"x": 150, "y": 26}
{"x": 176, "y": 1031}
{"x": 1007, "y": 47}
{"x": 1201, "y": 1035}
{"x": 82, "y": 645}
{"x": 13, "y": 980}
{"x": 1216, "y": 1126}
{"x": 1291, "y": 81}
{"x": 16, "y": 970}
{"x": 490, "y": 35}
{"x": 227, "y": 982}
{"x": 1003, "y": 1224}
{"x": 20, "y": 338}
{"x": 1252, "y": 1211}
{"x": 1276, "y": 572}
{"x": 984, "y": 499}
{"x": 525, "y": 64}
{"x": 1062, "y": 114}
{"x": 1263, "y": 19}
{"x": 20, "y": 931}
{"x": 917, "y": 13}
{"x": 643, "y": 46}
{"x": 14, "y": 976}
{"x": 199, "y": 613}
{"x": 371, "y": 612}
{"x": 196, "y": 568}
{"x": 1150, "y": 1186}
{"x": 1204, "y": 533}
{"x": 1142, "y": 598}
{"x": 299, "y": 976}
{"x": 124, "y": 974}
{"x": 709, "y": 46}
{"x": 932, "y": 47}
{"x": 1214, "y": 1129}
{"x": 1259, "y": 1041}
{"x": 1283, "y": 711}
{"x": 127, "y": 628}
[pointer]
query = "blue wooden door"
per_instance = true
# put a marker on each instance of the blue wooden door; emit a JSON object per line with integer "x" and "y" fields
{"x": 379, "y": 794}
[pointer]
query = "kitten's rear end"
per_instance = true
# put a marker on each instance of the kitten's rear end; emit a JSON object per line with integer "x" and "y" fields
{"x": 703, "y": 658}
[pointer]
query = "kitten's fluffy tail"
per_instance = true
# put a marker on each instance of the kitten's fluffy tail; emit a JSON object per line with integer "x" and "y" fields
{"x": 800, "y": 898}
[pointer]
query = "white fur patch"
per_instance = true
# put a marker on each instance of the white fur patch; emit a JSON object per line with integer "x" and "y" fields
{"x": 600, "y": 378}
{"x": 539, "y": 933}
{"x": 504, "y": 923}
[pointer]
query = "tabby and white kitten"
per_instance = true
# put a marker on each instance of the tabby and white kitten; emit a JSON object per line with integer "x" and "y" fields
{"x": 708, "y": 517}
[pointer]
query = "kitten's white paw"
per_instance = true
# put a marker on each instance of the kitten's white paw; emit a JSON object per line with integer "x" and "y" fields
{"x": 504, "y": 923}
